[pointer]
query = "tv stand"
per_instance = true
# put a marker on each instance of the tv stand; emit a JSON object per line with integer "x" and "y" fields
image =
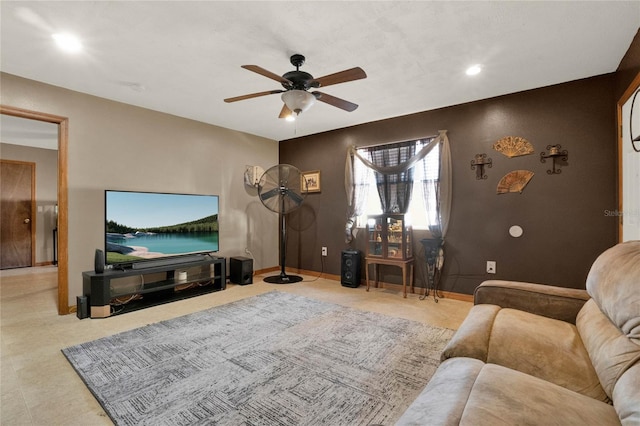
{"x": 118, "y": 291}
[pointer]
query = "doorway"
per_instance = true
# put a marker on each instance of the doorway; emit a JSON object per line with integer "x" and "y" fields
{"x": 62, "y": 197}
{"x": 629, "y": 163}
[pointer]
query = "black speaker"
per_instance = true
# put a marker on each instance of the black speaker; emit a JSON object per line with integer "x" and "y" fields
{"x": 98, "y": 262}
{"x": 82, "y": 307}
{"x": 241, "y": 270}
{"x": 350, "y": 268}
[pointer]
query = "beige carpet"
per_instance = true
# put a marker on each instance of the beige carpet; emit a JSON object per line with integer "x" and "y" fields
{"x": 272, "y": 359}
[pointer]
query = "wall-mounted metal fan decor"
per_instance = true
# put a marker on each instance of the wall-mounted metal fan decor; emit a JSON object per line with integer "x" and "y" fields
{"x": 296, "y": 84}
{"x": 514, "y": 181}
{"x": 513, "y": 146}
{"x": 280, "y": 191}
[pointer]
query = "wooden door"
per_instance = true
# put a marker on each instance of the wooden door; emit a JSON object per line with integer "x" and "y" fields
{"x": 17, "y": 215}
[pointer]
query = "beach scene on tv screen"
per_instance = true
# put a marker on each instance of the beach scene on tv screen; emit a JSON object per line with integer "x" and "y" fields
{"x": 143, "y": 226}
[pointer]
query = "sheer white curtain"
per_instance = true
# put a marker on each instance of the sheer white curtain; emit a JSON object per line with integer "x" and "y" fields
{"x": 436, "y": 191}
{"x": 356, "y": 192}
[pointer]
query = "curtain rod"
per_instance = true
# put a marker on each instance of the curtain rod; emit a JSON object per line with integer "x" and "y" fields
{"x": 392, "y": 143}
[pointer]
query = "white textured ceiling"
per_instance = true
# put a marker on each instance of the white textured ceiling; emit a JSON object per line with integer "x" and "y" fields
{"x": 184, "y": 58}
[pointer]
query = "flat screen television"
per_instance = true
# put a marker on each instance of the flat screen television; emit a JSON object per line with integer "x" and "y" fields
{"x": 143, "y": 226}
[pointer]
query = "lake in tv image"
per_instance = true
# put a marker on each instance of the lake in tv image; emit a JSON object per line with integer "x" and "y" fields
{"x": 144, "y": 225}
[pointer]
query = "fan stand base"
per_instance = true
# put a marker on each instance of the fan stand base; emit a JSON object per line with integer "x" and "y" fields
{"x": 283, "y": 279}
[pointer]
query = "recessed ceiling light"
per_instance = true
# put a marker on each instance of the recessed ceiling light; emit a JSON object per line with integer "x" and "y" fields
{"x": 67, "y": 42}
{"x": 474, "y": 70}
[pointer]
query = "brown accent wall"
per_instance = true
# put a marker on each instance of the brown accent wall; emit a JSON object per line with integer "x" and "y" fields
{"x": 563, "y": 216}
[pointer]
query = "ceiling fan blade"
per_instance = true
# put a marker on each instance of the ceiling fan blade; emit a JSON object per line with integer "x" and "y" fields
{"x": 252, "y": 95}
{"x": 269, "y": 194}
{"x": 268, "y": 74}
{"x": 286, "y": 112}
{"x": 336, "y": 102}
{"x": 356, "y": 73}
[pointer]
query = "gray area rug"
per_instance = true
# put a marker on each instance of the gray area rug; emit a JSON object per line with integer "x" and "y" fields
{"x": 272, "y": 359}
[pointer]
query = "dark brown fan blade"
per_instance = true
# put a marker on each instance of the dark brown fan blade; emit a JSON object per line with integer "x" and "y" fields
{"x": 336, "y": 102}
{"x": 356, "y": 73}
{"x": 272, "y": 193}
{"x": 253, "y": 95}
{"x": 286, "y": 112}
{"x": 268, "y": 74}
{"x": 295, "y": 197}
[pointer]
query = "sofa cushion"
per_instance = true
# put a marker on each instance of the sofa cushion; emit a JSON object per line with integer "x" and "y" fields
{"x": 626, "y": 394}
{"x": 546, "y": 348}
{"x": 504, "y": 396}
{"x": 611, "y": 352}
{"x": 466, "y": 391}
{"x": 613, "y": 284}
{"x": 444, "y": 399}
{"x": 542, "y": 347}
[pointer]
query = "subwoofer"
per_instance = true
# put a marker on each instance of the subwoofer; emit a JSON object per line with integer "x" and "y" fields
{"x": 82, "y": 307}
{"x": 350, "y": 268}
{"x": 241, "y": 270}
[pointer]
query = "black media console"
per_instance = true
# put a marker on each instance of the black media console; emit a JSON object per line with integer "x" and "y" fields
{"x": 123, "y": 290}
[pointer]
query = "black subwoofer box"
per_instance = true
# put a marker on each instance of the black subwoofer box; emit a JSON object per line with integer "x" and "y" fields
{"x": 350, "y": 268}
{"x": 82, "y": 307}
{"x": 241, "y": 270}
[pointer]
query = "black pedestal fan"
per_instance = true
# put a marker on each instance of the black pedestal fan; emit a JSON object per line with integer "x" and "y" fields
{"x": 280, "y": 191}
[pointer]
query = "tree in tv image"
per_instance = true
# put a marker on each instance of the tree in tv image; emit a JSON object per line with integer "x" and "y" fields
{"x": 145, "y": 225}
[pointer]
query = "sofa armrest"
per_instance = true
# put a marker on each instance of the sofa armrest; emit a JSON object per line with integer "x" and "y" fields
{"x": 549, "y": 301}
{"x": 471, "y": 340}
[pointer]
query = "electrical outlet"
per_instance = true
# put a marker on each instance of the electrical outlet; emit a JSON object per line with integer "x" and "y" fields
{"x": 324, "y": 251}
{"x": 491, "y": 267}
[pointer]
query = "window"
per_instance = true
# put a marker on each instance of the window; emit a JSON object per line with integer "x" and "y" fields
{"x": 425, "y": 174}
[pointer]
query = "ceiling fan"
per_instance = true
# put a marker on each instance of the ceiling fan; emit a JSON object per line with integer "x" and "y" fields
{"x": 296, "y": 84}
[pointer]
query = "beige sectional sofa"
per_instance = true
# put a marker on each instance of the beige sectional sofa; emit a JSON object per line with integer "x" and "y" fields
{"x": 532, "y": 354}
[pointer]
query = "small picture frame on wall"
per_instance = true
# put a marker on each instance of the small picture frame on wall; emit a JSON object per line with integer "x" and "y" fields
{"x": 310, "y": 181}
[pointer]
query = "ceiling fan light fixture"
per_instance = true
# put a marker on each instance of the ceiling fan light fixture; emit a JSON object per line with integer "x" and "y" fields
{"x": 298, "y": 101}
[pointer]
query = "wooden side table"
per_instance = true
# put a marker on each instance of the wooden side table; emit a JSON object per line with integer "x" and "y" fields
{"x": 403, "y": 264}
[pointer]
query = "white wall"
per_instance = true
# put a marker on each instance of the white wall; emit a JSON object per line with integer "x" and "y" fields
{"x": 119, "y": 146}
{"x": 630, "y": 173}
